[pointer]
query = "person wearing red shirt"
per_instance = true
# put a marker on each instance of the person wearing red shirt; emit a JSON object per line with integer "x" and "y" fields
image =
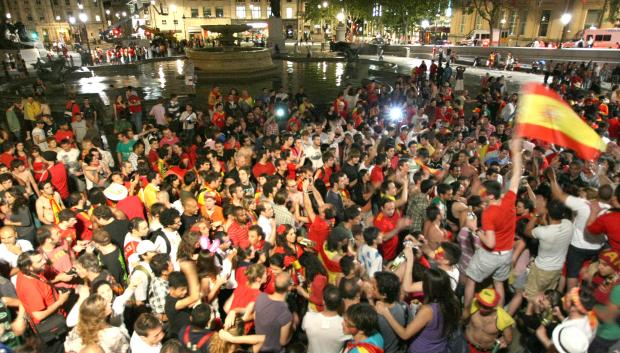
{"x": 263, "y": 165}
{"x": 38, "y": 295}
{"x": 389, "y": 223}
{"x": 243, "y": 298}
{"x": 219, "y": 116}
{"x": 64, "y": 133}
{"x": 494, "y": 257}
{"x": 7, "y": 156}
{"x": 57, "y": 173}
{"x": 135, "y": 107}
{"x": 377, "y": 175}
{"x": 608, "y": 223}
{"x": 238, "y": 230}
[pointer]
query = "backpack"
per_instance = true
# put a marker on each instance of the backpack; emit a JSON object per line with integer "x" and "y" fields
{"x": 160, "y": 233}
{"x": 148, "y": 276}
{"x": 194, "y": 348}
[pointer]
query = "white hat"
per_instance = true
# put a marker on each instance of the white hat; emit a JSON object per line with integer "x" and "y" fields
{"x": 570, "y": 339}
{"x": 145, "y": 246}
{"x": 115, "y": 192}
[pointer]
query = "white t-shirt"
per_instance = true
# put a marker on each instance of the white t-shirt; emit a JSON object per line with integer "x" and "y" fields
{"x": 40, "y": 134}
{"x": 371, "y": 259}
{"x": 554, "y": 240}
{"x": 325, "y": 333}
{"x": 136, "y": 344}
{"x": 175, "y": 240}
{"x": 11, "y": 258}
{"x": 315, "y": 156}
{"x": 581, "y": 239}
{"x": 141, "y": 291}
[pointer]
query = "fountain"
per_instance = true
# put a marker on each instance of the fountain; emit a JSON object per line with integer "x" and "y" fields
{"x": 228, "y": 59}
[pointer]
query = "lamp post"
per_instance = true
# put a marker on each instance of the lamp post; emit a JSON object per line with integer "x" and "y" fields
{"x": 8, "y": 15}
{"x": 425, "y": 24}
{"x": 84, "y": 18}
{"x": 173, "y": 8}
{"x": 565, "y": 19}
{"x": 501, "y": 29}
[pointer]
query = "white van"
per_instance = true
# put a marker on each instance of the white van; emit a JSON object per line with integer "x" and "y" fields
{"x": 476, "y": 37}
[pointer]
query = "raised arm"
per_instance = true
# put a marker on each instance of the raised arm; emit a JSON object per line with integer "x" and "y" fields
{"x": 517, "y": 164}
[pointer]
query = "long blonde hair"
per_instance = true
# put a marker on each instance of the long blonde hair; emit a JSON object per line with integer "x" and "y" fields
{"x": 218, "y": 345}
{"x": 92, "y": 319}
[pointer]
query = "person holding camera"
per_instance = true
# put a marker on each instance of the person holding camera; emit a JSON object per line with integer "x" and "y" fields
{"x": 42, "y": 302}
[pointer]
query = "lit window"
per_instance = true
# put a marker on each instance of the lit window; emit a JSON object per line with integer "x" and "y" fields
{"x": 255, "y": 11}
{"x": 241, "y": 11}
{"x": 289, "y": 12}
{"x": 97, "y": 18}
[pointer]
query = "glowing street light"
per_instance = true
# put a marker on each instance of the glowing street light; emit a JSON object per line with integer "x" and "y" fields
{"x": 107, "y": 11}
{"x": 8, "y": 15}
{"x": 325, "y": 4}
{"x": 57, "y": 18}
{"x": 340, "y": 16}
{"x": 83, "y": 17}
{"x": 173, "y": 8}
{"x": 72, "y": 20}
{"x": 425, "y": 24}
{"x": 566, "y": 18}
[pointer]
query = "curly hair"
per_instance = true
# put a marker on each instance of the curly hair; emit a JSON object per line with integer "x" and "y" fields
{"x": 92, "y": 319}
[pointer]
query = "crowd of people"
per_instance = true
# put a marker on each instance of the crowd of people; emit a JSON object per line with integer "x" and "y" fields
{"x": 402, "y": 218}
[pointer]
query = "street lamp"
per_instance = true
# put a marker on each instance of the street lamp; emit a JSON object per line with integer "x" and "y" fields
{"x": 72, "y": 20}
{"x": 425, "y": 24}
{"x": 57, "y": 18}
{"x": 8, "y": 15}
{"x": 173, "y": 8}
{"x": 340, "y": 17}
{"x": 107, "y": 12}
{"x": 325, "y": 4}
{"x": 565, "y": 19}
{"x": 84, "y": 18}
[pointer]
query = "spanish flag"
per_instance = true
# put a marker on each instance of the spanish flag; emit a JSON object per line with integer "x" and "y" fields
{"x": 544, "y": 115}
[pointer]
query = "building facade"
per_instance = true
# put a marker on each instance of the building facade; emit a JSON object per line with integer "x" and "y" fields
{"x": 184, "y": 18}
{"x": 59, "y": 20}
{"x": 52, "y": 21}
{"x": 532, "y": 20}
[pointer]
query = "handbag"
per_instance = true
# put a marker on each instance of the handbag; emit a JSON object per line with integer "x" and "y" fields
{"x": 53, "y": 327}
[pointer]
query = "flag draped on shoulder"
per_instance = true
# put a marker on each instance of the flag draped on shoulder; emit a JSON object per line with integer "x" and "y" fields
{"x": 544, "y": 115}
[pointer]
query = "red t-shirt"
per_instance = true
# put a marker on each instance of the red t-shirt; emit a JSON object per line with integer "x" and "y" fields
{"x": 260, "y": 169}
{"x": 63, "y": 134}
{"x": 609, "y": 224}
{"x": 132, "y": 207}
{"x": 376, "y": 175}
{"x": 35, "y": 294}
{"x": 6, "y": 159}
{"x": 385, "y": 225}
{"x": 58, "y": 175}
{"x": 219, "y": 119}
{"x": 502, "y": 220}
{"x": 239, "y": 235}
{"x": 318, "y": 232}
{"x": 137, "y": 108}
{"x": 244, "y": 295}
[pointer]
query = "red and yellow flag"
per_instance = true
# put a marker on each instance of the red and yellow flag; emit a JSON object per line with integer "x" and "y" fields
{"x": 544, "y": 115}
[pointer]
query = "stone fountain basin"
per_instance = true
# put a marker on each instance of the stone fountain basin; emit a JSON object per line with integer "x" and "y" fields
{"x": 232, "y": 61}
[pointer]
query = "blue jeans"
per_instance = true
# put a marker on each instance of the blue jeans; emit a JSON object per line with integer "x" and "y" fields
{"x": 136, "y": 119}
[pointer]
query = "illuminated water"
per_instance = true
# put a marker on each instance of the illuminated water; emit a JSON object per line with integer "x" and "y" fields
{"x": 321, "y": 80}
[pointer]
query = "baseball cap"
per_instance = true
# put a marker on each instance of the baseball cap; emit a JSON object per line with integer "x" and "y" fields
{"x": 570, "y": 339}
{"x": 145, "y": 246}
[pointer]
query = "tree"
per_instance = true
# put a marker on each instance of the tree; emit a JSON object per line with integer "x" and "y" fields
{"x": 402, "y": 16}
{"x": 613, "y": 8}
{"x": 490, "y": 10}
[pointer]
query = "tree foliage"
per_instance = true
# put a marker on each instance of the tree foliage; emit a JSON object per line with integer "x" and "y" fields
{"x": 402, "y": 16}
{"x": 489, "y": 10}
